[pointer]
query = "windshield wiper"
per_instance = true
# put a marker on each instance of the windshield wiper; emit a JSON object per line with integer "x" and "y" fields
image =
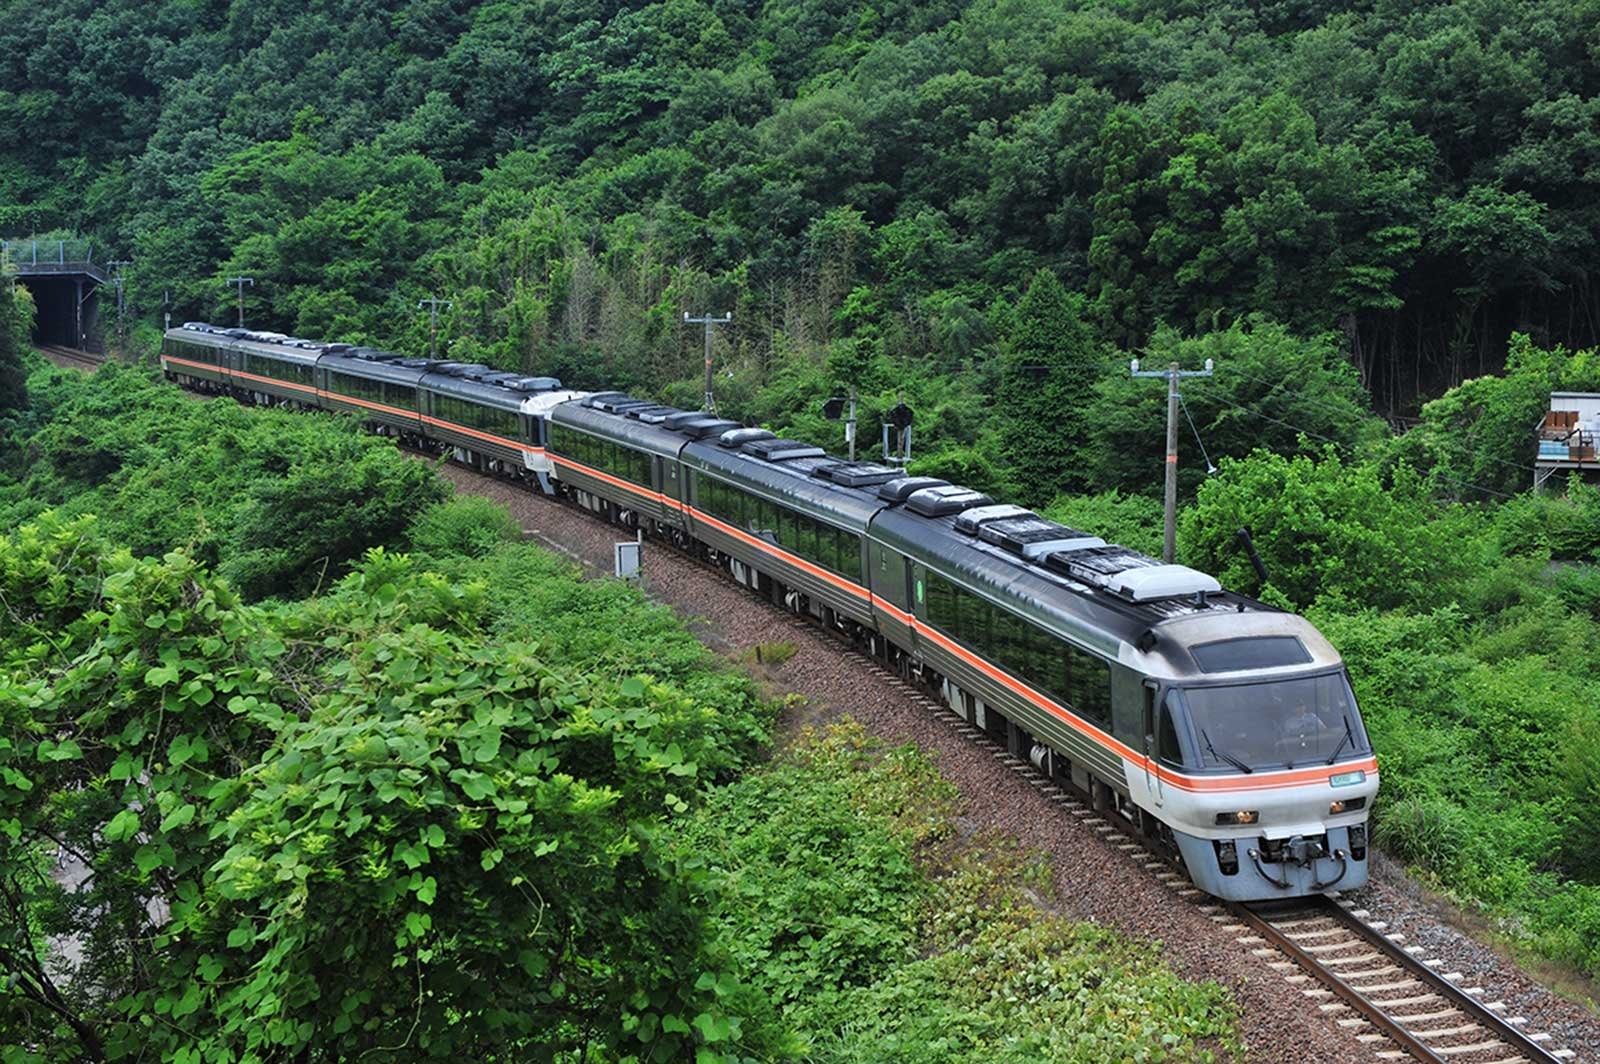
{"x": 1349, "y": 739}
{"x": 1229, "y": 758}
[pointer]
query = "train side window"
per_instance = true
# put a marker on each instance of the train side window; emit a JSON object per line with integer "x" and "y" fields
{"x": 831, "y": 543}
{"x": 1167, "y": 746}
{"x": 851, "y": 544}
{"x": 972, "y": 619}
{"x": 807, "y": 530}
{"x": 1091, "y": 685}
{"x": 941, "y": 602}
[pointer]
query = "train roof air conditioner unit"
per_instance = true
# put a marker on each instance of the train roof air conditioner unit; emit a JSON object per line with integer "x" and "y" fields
{"x": 944, "y": 500}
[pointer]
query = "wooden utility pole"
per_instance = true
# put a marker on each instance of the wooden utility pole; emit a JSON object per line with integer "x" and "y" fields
{"x": 1169, "y": 546}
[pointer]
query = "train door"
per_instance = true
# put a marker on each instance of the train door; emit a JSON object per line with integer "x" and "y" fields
{"x": 1154, "y": 711}
{"x": 671, "y": 479}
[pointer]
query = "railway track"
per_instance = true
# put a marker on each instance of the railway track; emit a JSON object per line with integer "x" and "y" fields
{"x": 69, "y": 357}
{"x": 1390, "y": 996}
{"x": 1389, "y": 992}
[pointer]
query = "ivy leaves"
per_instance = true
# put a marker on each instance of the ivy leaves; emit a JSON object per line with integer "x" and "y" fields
{"x": 359, "y": 821}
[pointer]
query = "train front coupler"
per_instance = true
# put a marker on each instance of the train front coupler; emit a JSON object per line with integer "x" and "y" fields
{"x": 1301, "y": 852}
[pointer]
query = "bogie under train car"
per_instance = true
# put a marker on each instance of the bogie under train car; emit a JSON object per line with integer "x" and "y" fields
{"x": 1221, "y": 727}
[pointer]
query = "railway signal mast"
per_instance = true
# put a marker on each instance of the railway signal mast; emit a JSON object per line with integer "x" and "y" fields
{"x": 833, "y": 409}
{"x": 122, "y": 306}
{"x": 900, "y": 418}
{"x": 710, "y": 406}
{"x": 1172, "y": 373}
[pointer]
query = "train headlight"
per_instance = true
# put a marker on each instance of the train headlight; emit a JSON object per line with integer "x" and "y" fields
{"x": 1348, "y": 779}
{"x": 1346, "y": 805}
{"x": 1243, "y": 816}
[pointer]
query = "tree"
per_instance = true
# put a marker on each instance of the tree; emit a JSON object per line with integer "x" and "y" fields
{"x": 1047, "y": 377}
{"x": 1121, "y": 289}
{"x": 16, "y": 322}
{"x": 362, "y": 824}
{"x": 1345, "y": 534}
{"x": 1271, "y": 389}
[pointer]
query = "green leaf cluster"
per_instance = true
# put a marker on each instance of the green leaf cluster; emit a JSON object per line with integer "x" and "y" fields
{"x": 377, "y": 821}
{"x": 847, "y": 894}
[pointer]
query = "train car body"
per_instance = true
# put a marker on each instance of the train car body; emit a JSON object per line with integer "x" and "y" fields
{"x": 1222, "y": 727}
{"x": 769, "y": 510}
{"x": 196, "y": 356}
{"x": 620, "y": 460}
{"x": 381, "y": 386}
{"x": 481, "y": 419}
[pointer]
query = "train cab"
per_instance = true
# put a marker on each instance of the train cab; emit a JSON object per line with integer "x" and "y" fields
{"x": 1255, "y": 757}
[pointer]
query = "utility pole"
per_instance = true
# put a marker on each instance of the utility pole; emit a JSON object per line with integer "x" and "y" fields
{"x": 166, "y": 308}
{"x": 240, "y": 282}
{"x": 117, "y": 265}
{"x": 708, "y": 321}
{"x": 433, "y": 306}
{"x": 1169, "y": 547}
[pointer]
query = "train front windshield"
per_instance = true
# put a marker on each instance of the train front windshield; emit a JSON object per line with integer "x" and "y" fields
{"x": 1281, "y": 723}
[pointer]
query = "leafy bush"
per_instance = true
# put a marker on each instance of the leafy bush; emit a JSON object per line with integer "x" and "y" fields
{"x": 279, "y": 502}
{"x": 464, "y": 524}
{"x": 1329, "y": 530}
{"x": 367, "y": 820}
{"x": 847, "y": 896}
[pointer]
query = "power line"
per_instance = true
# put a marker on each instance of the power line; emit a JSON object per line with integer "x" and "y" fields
{"x": 1278, "y": 388}
{"x": 1211, "y": 467}
{"x": 1351, "y": 450}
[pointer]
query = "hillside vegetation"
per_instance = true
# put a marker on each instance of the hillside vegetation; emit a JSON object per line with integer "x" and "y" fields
{"x": 1367, "y": 215}
{"x": 437, "y": 795}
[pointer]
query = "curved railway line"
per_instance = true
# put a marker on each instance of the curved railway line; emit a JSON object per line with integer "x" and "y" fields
{"x": 1370, "y": 979}
{"x": 69, "y": 357}
{"x": 1389, "y": 996}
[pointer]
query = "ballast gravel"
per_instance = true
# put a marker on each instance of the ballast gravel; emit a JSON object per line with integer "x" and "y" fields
{"x": 1096, "y": 881}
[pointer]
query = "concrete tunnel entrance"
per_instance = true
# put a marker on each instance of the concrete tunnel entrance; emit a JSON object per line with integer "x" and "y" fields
{"x": 59, "y": 317}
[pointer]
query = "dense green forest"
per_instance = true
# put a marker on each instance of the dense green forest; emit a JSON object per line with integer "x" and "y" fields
{"x": 868, "y": 187}
{"x": 425, "y": 792}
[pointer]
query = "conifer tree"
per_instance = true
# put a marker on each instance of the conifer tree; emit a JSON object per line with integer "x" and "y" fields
{"x": 16, "y": 318}
{"x": 1046, "y": 381}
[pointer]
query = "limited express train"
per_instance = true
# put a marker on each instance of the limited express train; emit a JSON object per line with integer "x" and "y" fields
{"x": 1221, "y": 727}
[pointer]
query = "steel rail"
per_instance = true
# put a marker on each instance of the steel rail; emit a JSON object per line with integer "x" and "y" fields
{"x": 1516, "y": 1040}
